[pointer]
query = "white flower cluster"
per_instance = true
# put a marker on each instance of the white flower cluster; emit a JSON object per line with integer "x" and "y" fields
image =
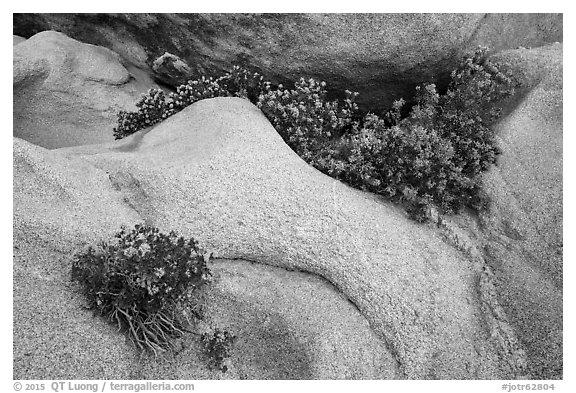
{"x": 195, "y": 91}
{"x": 304, "y": 116}
{"x": 159, "y": 272}
{"x": 155, "y": 106}
{"x": 151, "y": 106}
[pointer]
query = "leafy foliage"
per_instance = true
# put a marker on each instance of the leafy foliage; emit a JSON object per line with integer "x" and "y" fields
{"x": 406, "y": 164}
{"x": 144, "y": 282}
{"x": 463, "y": 118}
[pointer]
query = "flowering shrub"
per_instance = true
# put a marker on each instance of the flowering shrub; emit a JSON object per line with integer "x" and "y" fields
{"x": 433, "y": 156}
{"x": 305, "y": 119}
{"x": 155, "y": 106}
{"x": 143, "y": 282}
{"x": 463, "y": 118}
{"x": 406, "y": 164}
{"x": 464, "y": 114}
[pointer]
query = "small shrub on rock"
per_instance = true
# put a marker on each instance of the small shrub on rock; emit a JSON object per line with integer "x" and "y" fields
{"x": 462, "y": 118}
{"x": 434, "y": 156}
{"x": 465, "y": 113}
{"x": 144, "y": 282}
{"x": 405, "y": 164}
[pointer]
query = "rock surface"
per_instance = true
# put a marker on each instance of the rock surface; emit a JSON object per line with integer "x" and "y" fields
{"x": 17, "y": 39}
{"x": 521, "y": 233}
{"x": 289, "y": 324}
{"x": 525, "y": 223}
{"x": 382, "y": 56}
{"x": 417, "y": 292}
{"x": 319, "y": 281}
{"x": 67, "y": 93}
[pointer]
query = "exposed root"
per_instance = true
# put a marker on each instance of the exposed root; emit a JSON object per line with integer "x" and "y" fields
{"x": 154, "y": 332}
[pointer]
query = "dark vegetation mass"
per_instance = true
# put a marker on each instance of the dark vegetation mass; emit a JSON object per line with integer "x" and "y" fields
{"x": 146, "y": 283}
{"x": 433, "y": 156}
